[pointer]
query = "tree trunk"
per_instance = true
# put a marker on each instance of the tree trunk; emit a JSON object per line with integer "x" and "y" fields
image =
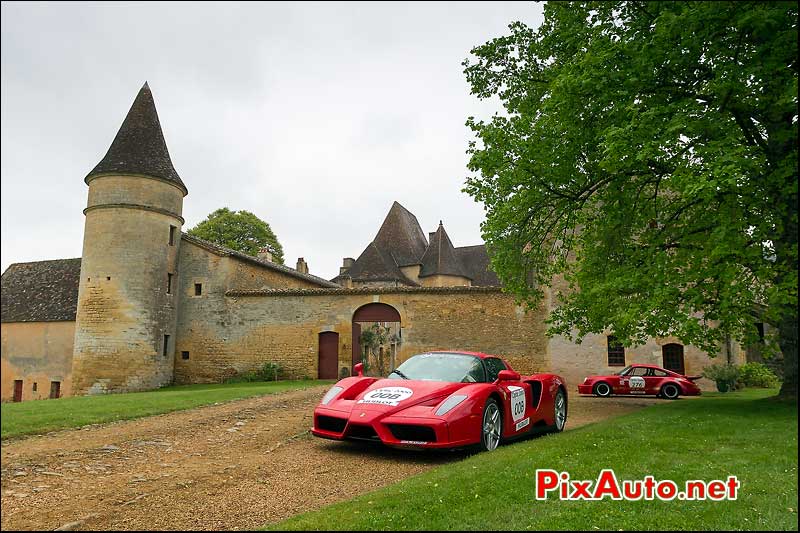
{"x": 788, "y": 343}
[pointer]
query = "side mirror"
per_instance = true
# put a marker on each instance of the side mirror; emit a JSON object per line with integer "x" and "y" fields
{"x": 508, "y": 375}
{"x": 359, "y": 369}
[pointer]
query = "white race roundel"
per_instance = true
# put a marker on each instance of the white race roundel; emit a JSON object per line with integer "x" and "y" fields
{"x": 387, "y": 396}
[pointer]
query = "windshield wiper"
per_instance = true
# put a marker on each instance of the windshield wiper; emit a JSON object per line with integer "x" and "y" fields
{"x": 395, "y": 371}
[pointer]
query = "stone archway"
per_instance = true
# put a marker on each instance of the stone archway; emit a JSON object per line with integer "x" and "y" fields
{"x": 367, "y": 316}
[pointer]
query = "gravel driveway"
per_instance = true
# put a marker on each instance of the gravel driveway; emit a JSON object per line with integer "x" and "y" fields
{"x": 238, "y": 465}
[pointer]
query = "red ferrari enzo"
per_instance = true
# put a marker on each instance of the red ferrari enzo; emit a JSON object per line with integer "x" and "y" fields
{"x": 640, "y": 380}
{"x": 443, "y": 400}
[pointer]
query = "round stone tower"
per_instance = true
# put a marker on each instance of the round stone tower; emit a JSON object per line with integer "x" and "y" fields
{"x": 127, "y": 300}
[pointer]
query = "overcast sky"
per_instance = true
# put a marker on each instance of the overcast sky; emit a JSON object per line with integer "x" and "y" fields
{"x": 314, "y": 116}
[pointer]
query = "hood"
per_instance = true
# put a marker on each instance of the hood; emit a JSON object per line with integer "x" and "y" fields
{"x": 391, "y": 395}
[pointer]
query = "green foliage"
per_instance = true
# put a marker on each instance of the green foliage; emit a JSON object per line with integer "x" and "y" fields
{"x": 40, "y": 416}
{"x": 269, "y": 371}
{"x": 725, "y": 375}
{"x": 371, "y": 340}
{"x": 757, "y": 375}
{"x": 239, "y": 230}
{"x": 710, "y": 437}
{"x": 647, "y": 153}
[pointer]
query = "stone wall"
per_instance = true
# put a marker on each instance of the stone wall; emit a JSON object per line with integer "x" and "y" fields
{"x": 205, "y": 324}
{"x": 36, "y": 352}
{"x": 241, "y": 331}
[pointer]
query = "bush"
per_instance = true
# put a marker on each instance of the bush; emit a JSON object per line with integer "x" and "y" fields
{"x": 723, "y": 374}
{"x": 268, "y": 372}
{"x": 757, "y": 375}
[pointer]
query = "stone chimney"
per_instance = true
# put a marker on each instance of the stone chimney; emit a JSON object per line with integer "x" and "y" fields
{"x": 347, "y": 262}
{"x": 302, "y": 266}
{"x": 265, "y": 255}
{"x": 346, "y": 282}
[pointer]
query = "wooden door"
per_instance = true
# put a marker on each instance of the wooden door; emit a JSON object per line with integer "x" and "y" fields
{"x": 17, "y": 390}
{"x": 328, "y": 355}
{"x": 673, "y": 357}
{"x": 55, "y": 389}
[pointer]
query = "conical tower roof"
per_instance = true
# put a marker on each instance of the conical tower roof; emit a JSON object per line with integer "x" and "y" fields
{"x": 373, "y": 265}
{"x": 139, "y": 147}
{"x": 401, "y": 236}
{"x": 441, "y": 257}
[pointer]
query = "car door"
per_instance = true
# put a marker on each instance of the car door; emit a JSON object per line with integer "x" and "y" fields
{"x": 516, "y": 396}
{"x": 620, "y": 382}
{"x": 636, "y": 380}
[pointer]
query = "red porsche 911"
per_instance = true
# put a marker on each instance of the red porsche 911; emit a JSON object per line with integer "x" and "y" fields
{"x": 443, "y": 400}
{"x": 641, "y": 380}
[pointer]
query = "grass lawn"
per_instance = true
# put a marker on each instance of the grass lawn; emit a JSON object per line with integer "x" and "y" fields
{"x": 742, "y": 433}
{"x": 39, "y": 416}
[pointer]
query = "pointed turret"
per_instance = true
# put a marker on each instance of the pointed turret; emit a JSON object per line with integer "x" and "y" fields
{"x": 139, "y": 147}
{"x": 440, "y": 258}
{"x": 401, "y": 236}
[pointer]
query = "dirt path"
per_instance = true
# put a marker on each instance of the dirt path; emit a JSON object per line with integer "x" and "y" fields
{"x": 238, "y": 465}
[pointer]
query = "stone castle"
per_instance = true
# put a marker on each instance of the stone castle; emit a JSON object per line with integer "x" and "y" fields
{"x": 148, "y": 305}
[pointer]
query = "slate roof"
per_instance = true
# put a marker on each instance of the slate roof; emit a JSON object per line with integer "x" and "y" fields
{"x": 401, "y": 236}
{"x": 375, "y": 265}
{"x": 440, "y": 257}
{"x": 400, "y": 242}
{"x": 41, "y": 291}
{"x": 139, "y": 147}
{"x": 225, "y": 251}
{"x": 475, "y": 260}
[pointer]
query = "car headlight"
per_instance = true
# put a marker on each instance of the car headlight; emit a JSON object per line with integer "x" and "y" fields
{"x": 450, "y": 403}
{"x": 331, "y": 394}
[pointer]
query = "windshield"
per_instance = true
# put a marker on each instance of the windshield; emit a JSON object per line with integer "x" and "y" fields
{"x": 623, "y": 371}
{"x": 452, "y": 367}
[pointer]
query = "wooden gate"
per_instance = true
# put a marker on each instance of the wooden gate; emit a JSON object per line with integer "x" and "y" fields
{"x": 328, "y": 355}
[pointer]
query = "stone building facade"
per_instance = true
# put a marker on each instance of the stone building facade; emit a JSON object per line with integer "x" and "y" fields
{"x": 148, "y": 305}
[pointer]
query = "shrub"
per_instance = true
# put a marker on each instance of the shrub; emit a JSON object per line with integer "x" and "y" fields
{"x": 757, "y": 375}
{"x": 723, "y": 374}
{"x": 268, "y": 372}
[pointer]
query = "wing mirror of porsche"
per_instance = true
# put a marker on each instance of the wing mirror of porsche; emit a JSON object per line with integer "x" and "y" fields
{"x": 508, "y": 375}
{"x": 359, "y": 369}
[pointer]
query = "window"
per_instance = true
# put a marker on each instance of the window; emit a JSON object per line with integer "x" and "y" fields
{"x": 184, "y": 355}
{"x": 493, "y": 368}
{"x": 35, "y": 386}
{"x": 639, "y": 371}
{"x": 169, "y": 283}
{"x": 55, "y": 390}
{"x": 166, "y": 345}
{"x": 660, "y": 373}
{"x": 616, "y": 352}
{"x": 760, "y": 329}
{"x": 172, "y": 235}
{"x": 198, "y": 289}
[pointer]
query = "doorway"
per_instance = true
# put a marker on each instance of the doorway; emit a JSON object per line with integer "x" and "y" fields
{"x": 382, "y": 321}
{"x": 673, "y": 358}
{"x": 17, "y": 390}
{"x": 328, "y": 355}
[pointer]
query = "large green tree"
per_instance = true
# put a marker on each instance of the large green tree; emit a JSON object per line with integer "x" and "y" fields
{"x": 239, "y": 230}
{"x": 647, "y": 152}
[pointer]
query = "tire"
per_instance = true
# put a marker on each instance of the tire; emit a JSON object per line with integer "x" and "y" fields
{"x": 602, "y": 390}
{"x": 560, "y": 411}
{"x": 491, "y": 426}
{"x": 670, "y": 391}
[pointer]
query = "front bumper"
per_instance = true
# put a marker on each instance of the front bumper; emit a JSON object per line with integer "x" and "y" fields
{"x": 391, "y": 430}
{"x": 585, "y": 389}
